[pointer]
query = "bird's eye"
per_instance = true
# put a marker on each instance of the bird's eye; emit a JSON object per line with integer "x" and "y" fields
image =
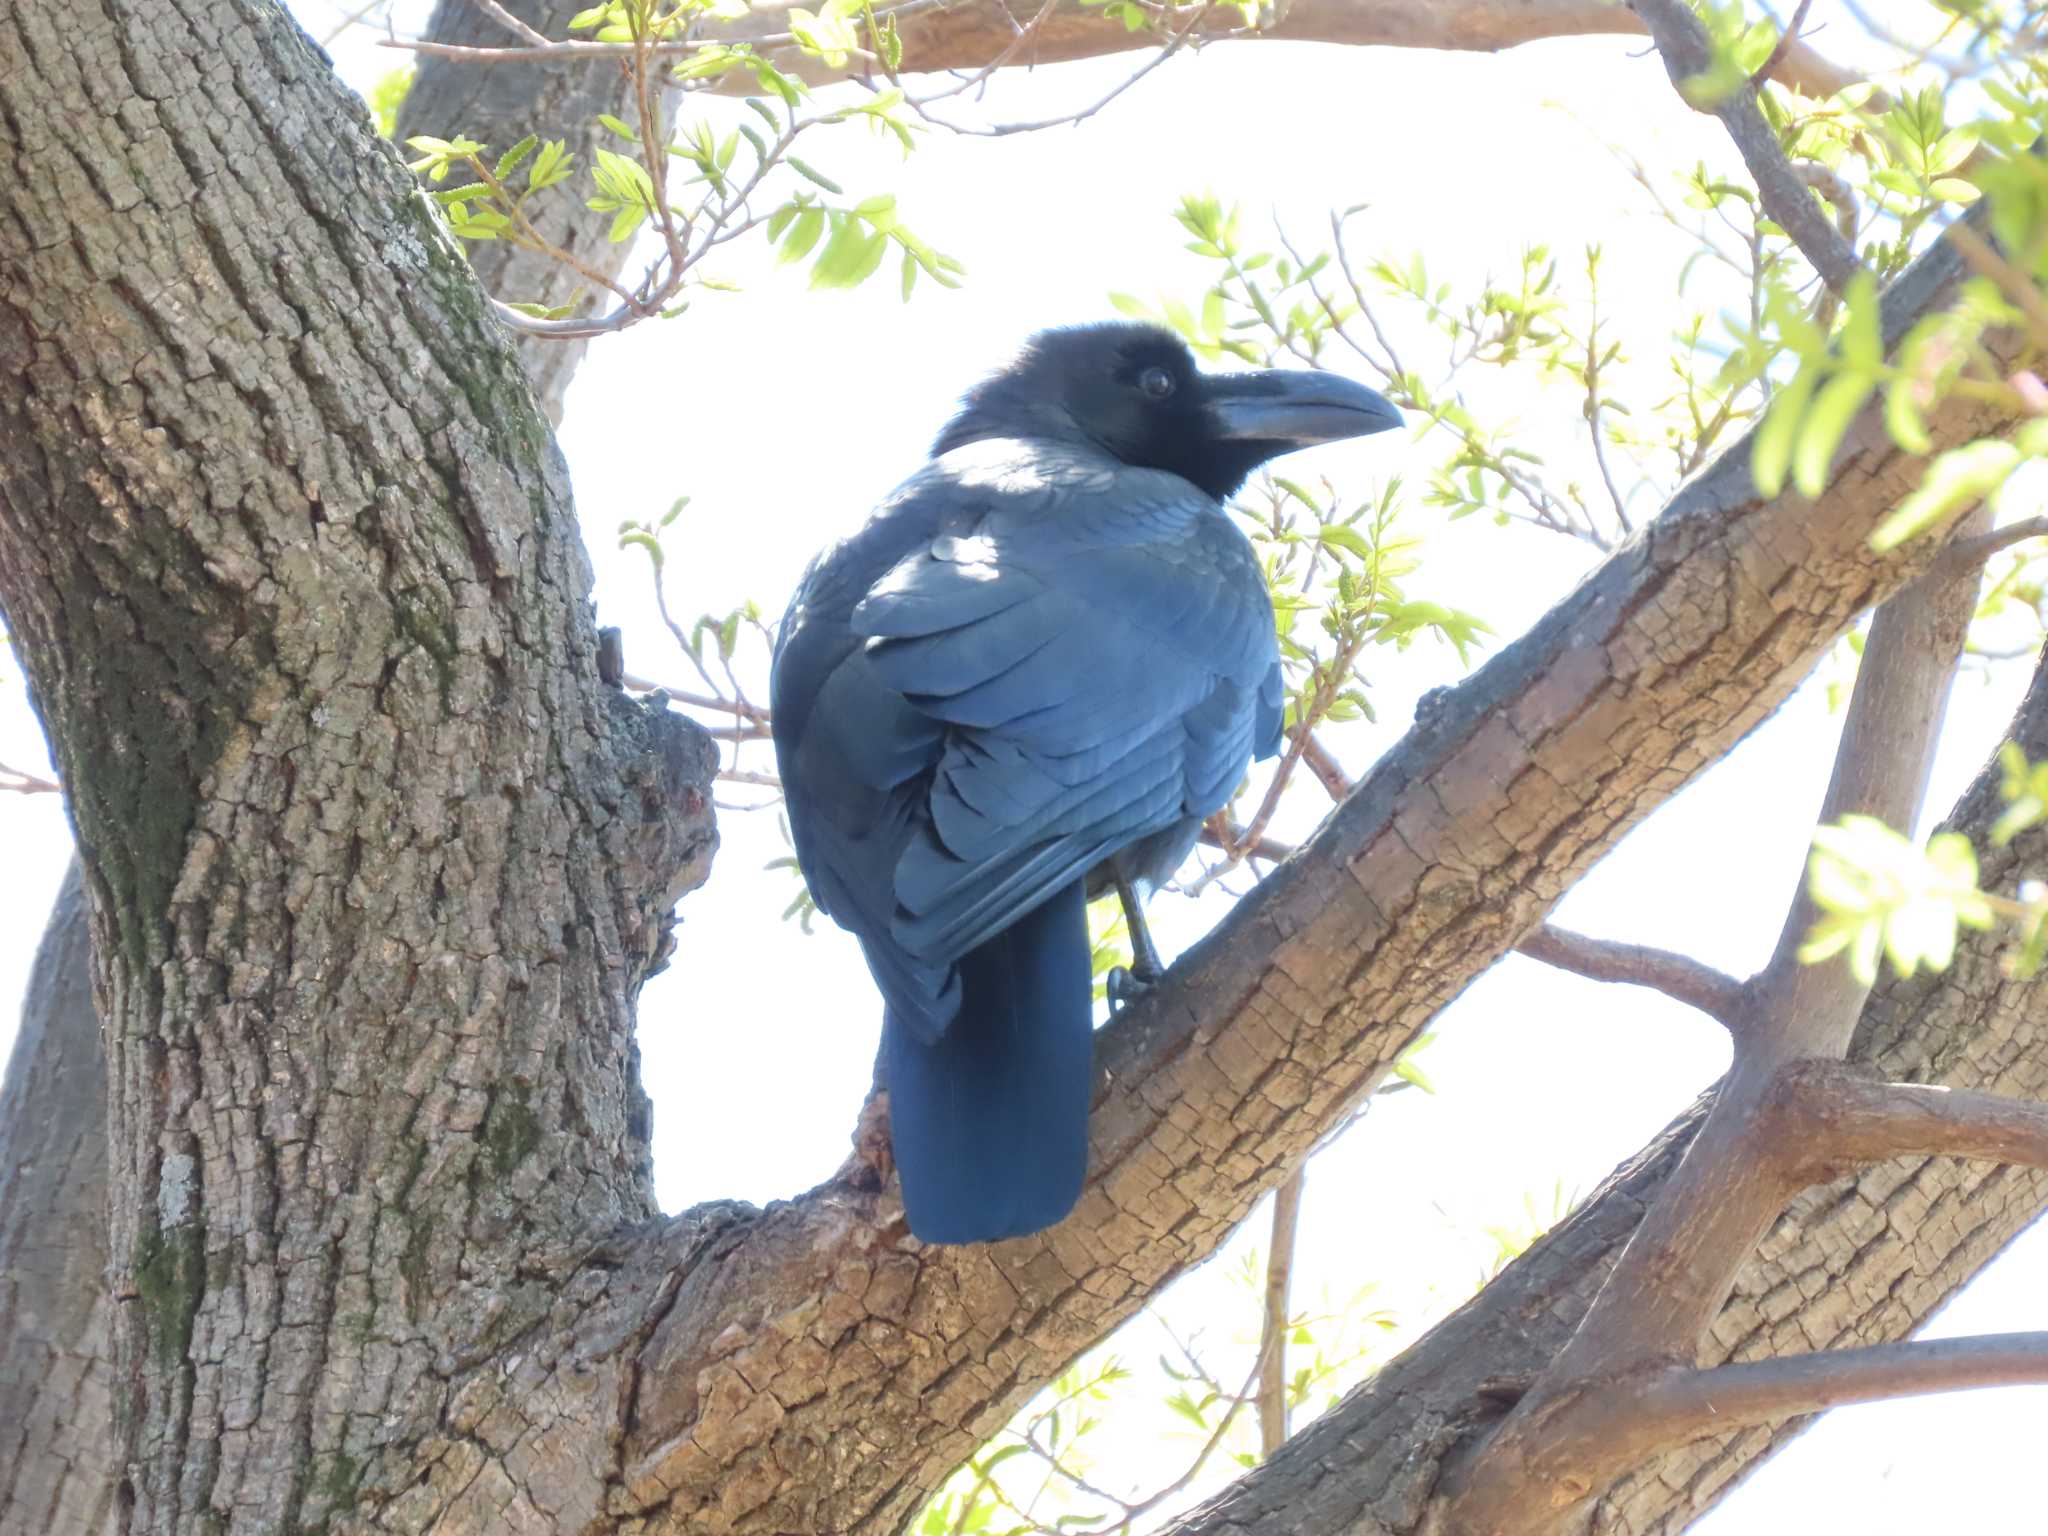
{"x": 1156, "y": 382}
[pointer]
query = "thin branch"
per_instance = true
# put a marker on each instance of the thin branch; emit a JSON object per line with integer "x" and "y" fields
{"x": 1786, "y": 39}
{"x": 1230, "y": 838}
{"x": 1856, "y": 1120}
{"x": 20, "y": 783}
{"x": 724, "y": 706}
{"x": 1173, "y": 45}
{"x": 512, "y": 24}
{"x": 333, "y": 33}
{"x": 1682, "y": 41}
{"x": 1680, "y": 977}
{"x": 1316, "y": 758}
{"x": 1967, "y": 554}
{"x": 1273, "y": 1328}
{"x": 1689, "y": 1404}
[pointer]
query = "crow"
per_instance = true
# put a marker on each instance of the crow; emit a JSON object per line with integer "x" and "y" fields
{"x": 1044, "y": 661}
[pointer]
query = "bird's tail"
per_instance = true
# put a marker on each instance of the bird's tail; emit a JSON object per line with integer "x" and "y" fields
{"x": 990, "y": 1121}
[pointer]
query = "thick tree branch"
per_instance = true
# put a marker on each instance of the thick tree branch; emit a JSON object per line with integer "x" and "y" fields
{"x": 966, "y": 34}
{"x": 1853, "y": 1119}
{"x": 1553, "y": 1452}
{"x": 1715, "y": 993}
{"x": 1688, "y": 54}
{"x": 1968, "y": 553}
{"x": 1633, "y": 1413}
{"x": 1376, "y": 1459}
{"x": 1269, "y": 1031}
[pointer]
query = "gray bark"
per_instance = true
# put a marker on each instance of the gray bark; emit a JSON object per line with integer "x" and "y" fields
{"x": 376, "y": 865}
{"x": 57, "y": 1471}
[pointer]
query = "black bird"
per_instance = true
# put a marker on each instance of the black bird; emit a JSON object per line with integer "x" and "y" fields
{"x": 1044, "y": 661}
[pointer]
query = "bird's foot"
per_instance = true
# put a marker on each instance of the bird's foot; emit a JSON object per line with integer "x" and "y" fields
{"x": 1125, "y": 986}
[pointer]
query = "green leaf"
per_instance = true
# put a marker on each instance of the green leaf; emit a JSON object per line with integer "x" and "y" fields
{"x": 810, "y": 223}
{"x": 625, "y": 222}
{"x": 618, "y": 126}
{"x": 1961, "y": 475}
{"x": 1337, "y": 536}
{"x": 552, "y": 165}
{"x": 1834, "y": 408}
{"x": 1771, "y": 459}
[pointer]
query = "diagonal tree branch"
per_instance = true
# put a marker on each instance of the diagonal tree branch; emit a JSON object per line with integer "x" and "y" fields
{"x": 1715, "y": 993}
{"x": 965, "y": 34}
{"x": 1553, "y": 1451}
{"x": 1683, "y": 42}
{"x": 1375, "y": 1461}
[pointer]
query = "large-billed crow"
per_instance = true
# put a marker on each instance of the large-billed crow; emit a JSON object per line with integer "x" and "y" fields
{"x": 1046, "y": 658}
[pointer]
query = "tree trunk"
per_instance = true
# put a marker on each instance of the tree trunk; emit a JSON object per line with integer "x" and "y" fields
{"x": 57, "y": 1469}
{"x": 59, "y": 1473}
{"x": 376, "y": 863}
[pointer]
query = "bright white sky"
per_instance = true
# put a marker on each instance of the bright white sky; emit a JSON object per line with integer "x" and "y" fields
{"x": 785, "y": 415}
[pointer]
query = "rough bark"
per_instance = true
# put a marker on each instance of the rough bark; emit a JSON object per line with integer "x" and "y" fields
{"x": 498, "y": 106}
{"x": 56, "y": 1467}
{"x": 376, "y": 865}
{"x": 1560, "y": 1446}
{"x": 59, "y": 1474}
{"x": 1860, "y": 1261}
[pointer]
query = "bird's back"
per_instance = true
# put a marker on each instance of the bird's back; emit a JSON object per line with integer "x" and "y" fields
{"x": 1030, "y": 658}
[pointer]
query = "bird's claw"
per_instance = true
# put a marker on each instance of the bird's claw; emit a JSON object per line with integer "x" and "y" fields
{"x": 1125, "y": 986}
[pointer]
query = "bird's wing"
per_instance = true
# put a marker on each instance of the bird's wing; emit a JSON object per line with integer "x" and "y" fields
{"x": 1100, "y": 645}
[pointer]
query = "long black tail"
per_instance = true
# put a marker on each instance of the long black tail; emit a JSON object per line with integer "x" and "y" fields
{"x": 990, "y": 1123}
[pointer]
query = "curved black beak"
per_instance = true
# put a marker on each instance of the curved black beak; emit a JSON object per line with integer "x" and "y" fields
{"x": 1297, "y": 407}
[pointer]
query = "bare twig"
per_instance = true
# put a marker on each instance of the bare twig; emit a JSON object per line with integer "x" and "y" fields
{"x": 1715, "y": 993}
{"x": 20, "y": 783}
{"x": 713, "y": 701}
{"x": 511, "y": 23}
{"x": 1230, "y": 838}
{"x": 1786, "y": 39}
{"x": 1273, "y": 1328}
{"x": 1682, "y": 41}
{"x": 333, "y": 33}
{"x": 1174, "y": 42}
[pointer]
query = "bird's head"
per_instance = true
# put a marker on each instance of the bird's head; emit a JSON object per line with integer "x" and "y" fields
{"x": 1134, "y": 390}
